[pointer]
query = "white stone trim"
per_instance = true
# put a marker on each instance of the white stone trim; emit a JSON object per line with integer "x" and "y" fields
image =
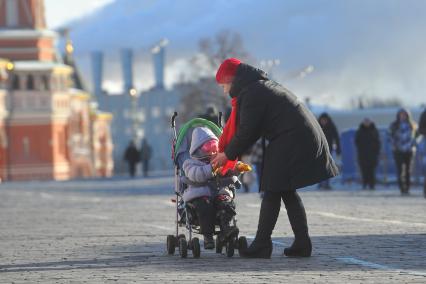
{"x": 26, "y": 34}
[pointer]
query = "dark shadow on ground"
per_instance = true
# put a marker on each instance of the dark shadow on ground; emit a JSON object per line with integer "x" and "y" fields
{"x": 119, "y": 186}
{"x": 395, "y": 252}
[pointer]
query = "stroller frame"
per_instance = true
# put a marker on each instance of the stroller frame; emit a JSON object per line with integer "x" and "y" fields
{"x": 179, "y": 240}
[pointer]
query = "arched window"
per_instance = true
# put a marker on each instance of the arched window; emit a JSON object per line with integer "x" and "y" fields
{"x": 30, "y": 82}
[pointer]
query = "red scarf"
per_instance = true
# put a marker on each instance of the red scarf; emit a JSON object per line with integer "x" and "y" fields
{"x": 227, "y": 134}
{"x": 230, "y": 127}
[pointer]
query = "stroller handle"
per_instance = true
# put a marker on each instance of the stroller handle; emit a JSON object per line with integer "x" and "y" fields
{"x": 174, "y": 119}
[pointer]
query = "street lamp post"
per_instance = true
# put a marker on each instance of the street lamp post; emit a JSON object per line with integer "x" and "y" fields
{"x": 134, "y": 114}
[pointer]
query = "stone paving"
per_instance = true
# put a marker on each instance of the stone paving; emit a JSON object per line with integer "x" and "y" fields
{"x": 114, "y": 232}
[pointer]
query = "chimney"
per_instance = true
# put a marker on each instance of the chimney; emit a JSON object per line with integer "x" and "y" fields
{"x": 127, "y": 66}
{"x": 158, "y": 53}
{"x": 97, "y": 73}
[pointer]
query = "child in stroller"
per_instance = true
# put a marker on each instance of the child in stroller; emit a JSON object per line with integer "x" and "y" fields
{"x": 209, "y": 202}
{"x": 204, "y": 198}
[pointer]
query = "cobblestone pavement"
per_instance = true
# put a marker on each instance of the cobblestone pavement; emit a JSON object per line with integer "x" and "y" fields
{"x": 114, "y": 232}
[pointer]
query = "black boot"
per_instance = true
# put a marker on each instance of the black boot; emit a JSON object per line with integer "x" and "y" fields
{"x": 258, "y": 249}
{"x": 208, "y": 241}
{"x": 302, "y": 246}
{"x": 299, "y": 249}
{"x": 261, "y": 247}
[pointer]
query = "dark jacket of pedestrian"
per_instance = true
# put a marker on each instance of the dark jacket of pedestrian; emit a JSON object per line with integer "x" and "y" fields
{"x": 367, "y": 141}
{"x": 422, "y": 123}
{"x": 297, "y": 154}
{"x": 131, "y": 155}
{"x": 330, "y": 131}
{"x": 146, "y": 151}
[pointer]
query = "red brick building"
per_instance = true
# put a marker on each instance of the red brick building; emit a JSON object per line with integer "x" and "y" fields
{"x": 49, "y": 129}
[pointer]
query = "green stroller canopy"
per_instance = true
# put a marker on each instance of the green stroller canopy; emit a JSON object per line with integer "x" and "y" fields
{"x": 196, "y": 122}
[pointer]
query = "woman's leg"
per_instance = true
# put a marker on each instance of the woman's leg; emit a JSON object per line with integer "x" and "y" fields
{"x": 269, "y": 211}
{"x": 297, "y": 216}
{"x": 398, "y": 163}
{"x": 261, "y": 247}
{"x": 407, "y": 160}
{"x": 363, "y": 174}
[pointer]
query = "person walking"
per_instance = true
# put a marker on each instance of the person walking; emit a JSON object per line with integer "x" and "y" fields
{"x": 297, "y": 154}
{"x": 333, "y": 140}
{"x": 146, "y": 154}
{"x": 403, "y": 138}
{"x": 367, "y": 142}
{"x": 422, "y": 131}
{"x": 131, "y": 156}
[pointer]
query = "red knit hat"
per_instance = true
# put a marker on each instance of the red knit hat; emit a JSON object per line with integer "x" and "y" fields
{"x": 226, "y": 72}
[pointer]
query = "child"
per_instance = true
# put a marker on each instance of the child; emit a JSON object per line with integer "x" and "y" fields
{"x": 208, "y": 201}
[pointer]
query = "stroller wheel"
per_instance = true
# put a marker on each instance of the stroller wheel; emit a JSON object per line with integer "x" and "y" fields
{"x": 219, "y": 245}
{"x": 195, "y": 245}
{"x": 183, "y": 248}
{"x": 171, "y": 244}
{"x": 242, "y": 244}
{"x": 230, "y": 247}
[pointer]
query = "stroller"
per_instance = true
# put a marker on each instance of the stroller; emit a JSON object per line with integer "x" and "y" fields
{"x": 185, "y": 213}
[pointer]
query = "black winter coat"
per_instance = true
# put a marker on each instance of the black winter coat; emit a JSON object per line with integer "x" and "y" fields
{"x": 297, "y": 154}
{"x": 331, "y": 133}
{"x": 367, "y": 141}
{"x": 132, "y": 155}
{"x": 422, "y": 123}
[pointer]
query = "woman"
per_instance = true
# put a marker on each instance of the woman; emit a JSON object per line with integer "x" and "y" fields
{"x": 297, "y": 154}
{"x": 367, "y": 142}
{"x": 403, "y": 136}
{"x": 333, "y": 140}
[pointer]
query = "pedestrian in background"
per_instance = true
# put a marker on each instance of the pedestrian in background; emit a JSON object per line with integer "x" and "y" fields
{"x": 422, "y": 131}
{"x": 403, "y": 138}
{"x": 367, "y": 142}
{"x": 211, "y": 114}
{"x": 333, "y": 140}
{"x": 131, "y": 156}
{"x": 146, "y": 154}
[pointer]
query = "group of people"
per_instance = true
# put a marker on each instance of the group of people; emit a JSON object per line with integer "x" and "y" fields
{"x": 133, "y": 156}
{"x": 404, "y": 136}
{"x": 299, "y": 149}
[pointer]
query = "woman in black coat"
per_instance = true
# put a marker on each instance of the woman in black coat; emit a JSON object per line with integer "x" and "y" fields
{"x": 333, "y": 140}
{"x": 297, "y": 154}
{"x": 367, "y": 142}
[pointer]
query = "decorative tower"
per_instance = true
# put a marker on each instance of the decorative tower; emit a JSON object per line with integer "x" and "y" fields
{"x": 23, "y": 34}
{"x": 38, "y": 95}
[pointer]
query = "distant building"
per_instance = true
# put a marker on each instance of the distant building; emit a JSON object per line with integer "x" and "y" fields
{"x": 140, "y": 115}
{"x": 49, "y": 129}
